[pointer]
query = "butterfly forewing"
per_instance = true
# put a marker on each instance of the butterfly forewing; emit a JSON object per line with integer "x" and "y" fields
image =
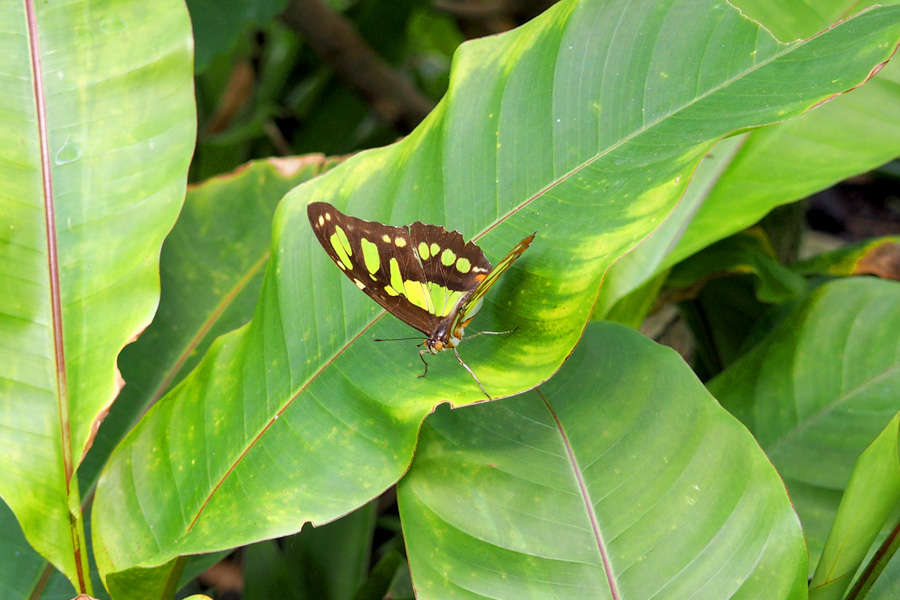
{"x": 380, "y": 260}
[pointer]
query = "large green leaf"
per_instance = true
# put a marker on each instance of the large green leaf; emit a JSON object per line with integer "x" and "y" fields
{"x": 621, "y": 477}
{"x": 745, "y": 177}
{"x": 781, "y": 164}
{"x": 819, "y": 389}
{"x": 574, "y": 126}
{"x": 96, "y": 133}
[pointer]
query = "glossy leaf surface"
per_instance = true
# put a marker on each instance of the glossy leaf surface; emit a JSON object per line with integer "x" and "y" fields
{"x": 211, "y": 270}
{"x": 621, "y": 477}
{"x": 96, "y": 132}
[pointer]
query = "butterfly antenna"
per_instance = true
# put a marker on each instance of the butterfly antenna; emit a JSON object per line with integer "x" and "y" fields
{"x": 472, "y": 373}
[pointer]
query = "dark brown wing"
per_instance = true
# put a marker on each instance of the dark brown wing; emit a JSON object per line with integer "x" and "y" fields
{"x": 380, "y": 260}
{"x": 447, "y": 259}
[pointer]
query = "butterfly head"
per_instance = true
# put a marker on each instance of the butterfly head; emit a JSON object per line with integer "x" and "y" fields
{"x": 443, "y": 338}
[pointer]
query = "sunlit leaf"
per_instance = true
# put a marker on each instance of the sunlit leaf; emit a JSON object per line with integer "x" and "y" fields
{"x": 96, "y": 132}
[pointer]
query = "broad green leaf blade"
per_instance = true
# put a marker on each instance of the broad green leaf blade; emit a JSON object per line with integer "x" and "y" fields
{"x": 528, "y": 196}
{"x": 96, "y": 141}
{"x": 303, "y": 414}
{"x": 211, "y": 269}
{"x": 873, "y": 492}
{"x": 621, "y": 477}
{"x": 745, "y": 177}
{"x": 818, "y": 390}
{"x": 795, "y": 20}
{"x": 631, "y": 274}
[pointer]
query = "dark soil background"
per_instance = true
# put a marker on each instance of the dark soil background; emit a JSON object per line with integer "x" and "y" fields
{"x": 862, "y": 207}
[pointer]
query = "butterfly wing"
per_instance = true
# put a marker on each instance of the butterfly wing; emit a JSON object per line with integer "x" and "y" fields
{"x": 472, "y": 304}
{"x": 452, "y": 266}
{"x": 380, "y": 260}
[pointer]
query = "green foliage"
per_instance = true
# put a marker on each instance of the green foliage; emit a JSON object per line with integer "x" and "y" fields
{"x": 638, "y": 139}
{"x": 818, "y": 389}
{"x": 623, "y": 458}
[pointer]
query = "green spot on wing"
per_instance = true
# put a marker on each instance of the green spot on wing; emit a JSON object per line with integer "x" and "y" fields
{"x": 445, "y": 300}
{"x": 448, "y": 257}
{"x": 438, "y": 295}
{"x": 342, "y": 235}
{"x": 415, "y": 293}
{"x": 370, "y": 255}
{"x": 396, "y": 277}
{"x": 341, "y": 246}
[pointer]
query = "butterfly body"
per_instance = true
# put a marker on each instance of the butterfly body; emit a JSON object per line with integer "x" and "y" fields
{"x": 430, "y": 278}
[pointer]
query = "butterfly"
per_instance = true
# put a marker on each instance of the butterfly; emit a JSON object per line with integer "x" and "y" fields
{"x": 428, "y": 277}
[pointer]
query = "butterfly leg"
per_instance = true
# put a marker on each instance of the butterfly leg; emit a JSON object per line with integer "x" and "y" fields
{"x": 472, "y": 373}
{"x": 421, "y": 352}
{"x": 489, "y": 333}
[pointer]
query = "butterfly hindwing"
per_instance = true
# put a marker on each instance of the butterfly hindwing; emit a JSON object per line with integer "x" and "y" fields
{"x": 473, "y": 302}
{"x": 452, "y": 266}
{"x": 380, "y": 260}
